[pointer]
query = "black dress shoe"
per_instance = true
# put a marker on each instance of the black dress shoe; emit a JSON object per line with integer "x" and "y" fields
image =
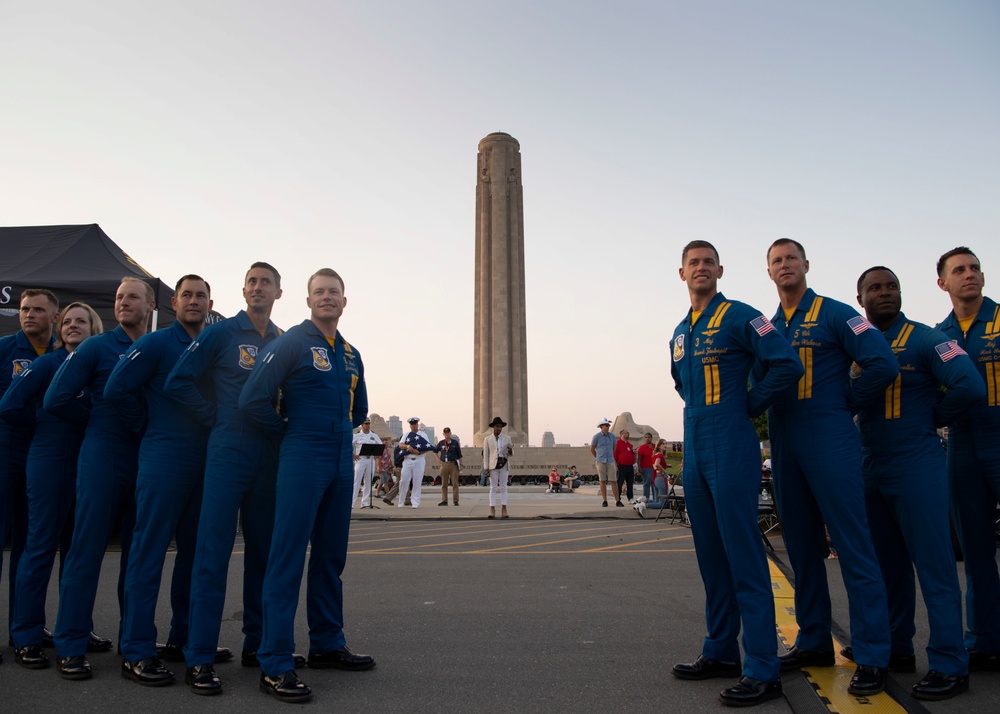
{"x": 796, "y": 659}
{"x": 443, "y": 503}
{"x": 619, "y": 504}
{"x": 74, "y": 668}
{"x": 936, "y": 686}
{"x": 249, "y": 659}
{"x": 148, "y": 672}
{"x": 285, "y": 687}
{"x": 203, "y": 680}
{"x": 341, "y": 659}
{"x": 96, "y": 643}
{"x": 31, "y": 657}
{"x": 868, "y": 680}
{"x": 903, "y": 664}
{"x": 705, "y": 668}
{"x": 749, "y": 691}
{"x": 173, "y": 652}
{"x": 984, "y": 661}
{"x": 456, "y": 503}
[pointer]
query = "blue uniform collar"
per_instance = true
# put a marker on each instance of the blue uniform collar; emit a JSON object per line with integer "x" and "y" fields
{"x": 180, "y": 333}
{"x": 119, "y": 334}
{"x": 310, "y": 327}
{"x": 804, "y": 304}
{"x": 243, "y": 320}
{"x": 23, "y": 342}
{"x": 985, "y": 313}
{"x": 709, "y": 310}
{"x": 895, "y": 327}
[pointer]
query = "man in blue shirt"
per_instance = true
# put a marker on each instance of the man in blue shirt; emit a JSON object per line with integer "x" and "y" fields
{"x": 38, "y": 312}
{"x": 240, "y": 473}
{"x": 168, "y": 482}
{"x": 321, "y": 379}
{"x": 714, "y": 349}
{"x": 974, "y": 453}
{"x": 602, "y": 448}
{"x": 903, "y": 462}
{"x": 105, "y": 482}
{"x": 817, "y": 468}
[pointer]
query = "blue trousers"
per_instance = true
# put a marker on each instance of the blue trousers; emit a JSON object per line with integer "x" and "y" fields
{"x": 721, "y": 480}
{"x": 105, "y": 490}
{"x": 817, "y": 480}
{"x": 51, "y": 493}
{"x": 974, "y": 478}
{"x": 315, "y": 479}
{"x": 239, "y": 477}
{"x": 647, "y": 483}
{"x": 13, "y": 504}
{"x": 909, "y": 527}
{"x": 168, "y": 504}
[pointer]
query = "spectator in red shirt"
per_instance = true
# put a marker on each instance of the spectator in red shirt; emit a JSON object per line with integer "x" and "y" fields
{"x": 625, "y": 460}
{"x": 644, "y": 455}
{"x": 555, "y": 482}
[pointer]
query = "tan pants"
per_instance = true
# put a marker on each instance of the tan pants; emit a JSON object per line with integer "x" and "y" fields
{"x": 449, "y": 473}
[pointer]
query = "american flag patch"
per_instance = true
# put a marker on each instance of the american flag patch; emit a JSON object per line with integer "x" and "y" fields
{"x": 859, "y": 324}
{"x": 762, "y": 325}
{"x": 948, "y": 350}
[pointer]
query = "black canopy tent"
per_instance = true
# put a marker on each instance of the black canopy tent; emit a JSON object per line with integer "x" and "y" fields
{"x": 77, "y": 263}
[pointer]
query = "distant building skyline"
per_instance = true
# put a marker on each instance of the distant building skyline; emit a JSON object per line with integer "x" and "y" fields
{"x": 548, "y": 440}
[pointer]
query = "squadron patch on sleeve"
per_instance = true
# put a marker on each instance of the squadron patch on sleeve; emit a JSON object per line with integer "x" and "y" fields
{"x": 20, "y": 365}
{"x": 248, "y": 353}
{"x": 678, "y": 348}
{"x": 320, "y": 359}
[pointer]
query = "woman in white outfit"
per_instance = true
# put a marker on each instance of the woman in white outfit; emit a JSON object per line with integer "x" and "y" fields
{"x": 497, "y": 449}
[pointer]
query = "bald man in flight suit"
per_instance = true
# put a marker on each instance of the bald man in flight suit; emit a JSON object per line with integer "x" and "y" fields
{"x": 817, "y": 468}
{"x": 105, "y": 481}
{"x": 903, "y": 462}
{"x": 322, "y": 381}
{"x": 240, "y": 473}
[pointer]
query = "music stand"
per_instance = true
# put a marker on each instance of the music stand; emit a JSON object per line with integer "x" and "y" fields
{"x": 371, "y": 450}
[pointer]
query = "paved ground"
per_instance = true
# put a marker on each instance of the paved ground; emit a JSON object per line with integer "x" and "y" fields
{"x": 565, "y": 607}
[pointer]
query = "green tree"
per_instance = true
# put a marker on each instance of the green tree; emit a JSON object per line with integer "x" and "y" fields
{"x": 760, "y": 424}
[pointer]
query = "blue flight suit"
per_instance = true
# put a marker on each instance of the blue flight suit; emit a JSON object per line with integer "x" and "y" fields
{"x": 167, "y": 487}
{"x": 816, "y": 458}
{"x": 240, "y": 473}
{"x": 105, "y": 483}
{"x": 16, "y": 354}
{"x": 903, "y": 461}
{"x": 712, "y": 360}
{"x": 50, "y": 488}
{"x": 974, "y": 477}
{"x": 323, "y": 387}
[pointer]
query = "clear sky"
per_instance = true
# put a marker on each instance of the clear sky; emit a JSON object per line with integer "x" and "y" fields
{"x": 206, "y": 135}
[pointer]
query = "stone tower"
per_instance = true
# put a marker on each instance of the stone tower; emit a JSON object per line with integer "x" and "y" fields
{"x": 501, "y": 354}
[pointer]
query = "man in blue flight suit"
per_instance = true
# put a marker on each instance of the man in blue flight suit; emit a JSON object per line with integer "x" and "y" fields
{"x": 240, "y": 472}
{"x": 903, "y": 462}
{"x": 38, "y": 311}
{"x": 817, "y": 468}
{"x": 105, "y": 481}
{"x": 167, "y": 486}
{"x": 322, "y": 382}
{"x": 714, "y": 349}
{"x": 974, "y": 453}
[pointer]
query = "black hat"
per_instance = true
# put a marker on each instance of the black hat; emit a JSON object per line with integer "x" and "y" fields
{"x": 497, "y": 420}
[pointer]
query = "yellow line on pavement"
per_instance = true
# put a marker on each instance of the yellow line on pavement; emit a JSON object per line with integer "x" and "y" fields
{"x": 830, "y": 683}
